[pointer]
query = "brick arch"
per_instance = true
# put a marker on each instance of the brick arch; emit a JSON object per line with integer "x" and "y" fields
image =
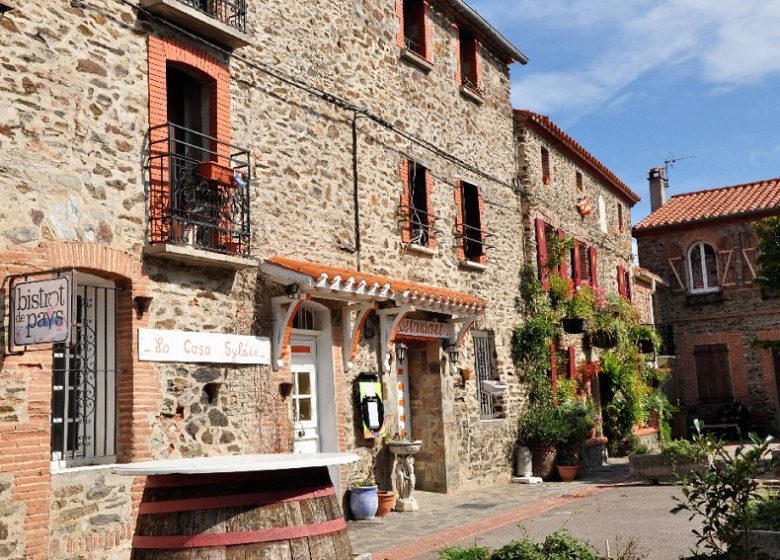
{"x": 696, "y": 236}
{"x": 102, "y": 260}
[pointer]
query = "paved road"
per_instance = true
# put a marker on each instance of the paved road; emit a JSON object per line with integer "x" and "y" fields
{"x": 630, "y": 510}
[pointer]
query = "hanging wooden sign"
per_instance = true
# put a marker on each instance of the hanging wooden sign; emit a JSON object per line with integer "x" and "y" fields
{"x": 40, "y": 311}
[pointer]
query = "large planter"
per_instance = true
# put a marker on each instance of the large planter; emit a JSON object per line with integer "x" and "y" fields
{"x": 767, "y": 542}
{"x": 363, "y": 502}
{"x": 573, "y": 325}
{"x": 658, "y": 467}
{"x": 568, "y": 472}
{"x": 543, "y": 461}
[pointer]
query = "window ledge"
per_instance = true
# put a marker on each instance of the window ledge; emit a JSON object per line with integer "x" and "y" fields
{"x": 190, "y": 255}
{"x": 472, "y": 95}
{"x": 417, "y": 60}
{"x": 471, "y": 265}
{"x": 421, "y": 249}
{"x": 489, "y": 422}
{"x": 57, "y": 468}
{"x": 197, "y": 21}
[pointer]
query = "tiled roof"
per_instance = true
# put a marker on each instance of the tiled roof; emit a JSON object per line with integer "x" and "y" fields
{"x": 713, "y": 204}
{"x": 544, "y": 123}
{"x": 363, "y": 284}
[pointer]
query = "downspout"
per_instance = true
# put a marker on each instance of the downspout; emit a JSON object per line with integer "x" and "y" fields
{"x": 356, "y": 189}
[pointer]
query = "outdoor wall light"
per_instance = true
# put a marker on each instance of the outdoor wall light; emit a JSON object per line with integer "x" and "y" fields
{"x": 453, "y": 353}
{"x": 141, "y": 304}
{"x": 400, "y": 351}
{"x": 292, "y": 291}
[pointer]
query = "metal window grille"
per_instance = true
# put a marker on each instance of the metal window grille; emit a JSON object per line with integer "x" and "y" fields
{"x": 484, "y": 365}
{"x": 229, "y": 12}
{"x": 84, "y": 382}
{"x": 304, "y": 320}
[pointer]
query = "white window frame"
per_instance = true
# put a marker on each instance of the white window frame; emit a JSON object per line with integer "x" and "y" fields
{"x": 707, "y": 288}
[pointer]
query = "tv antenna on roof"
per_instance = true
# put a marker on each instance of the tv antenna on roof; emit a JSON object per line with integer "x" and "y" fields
{"x": 669, "y": 164}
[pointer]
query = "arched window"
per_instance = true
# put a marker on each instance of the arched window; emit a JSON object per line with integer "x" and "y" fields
{"x": 702, "y": 268}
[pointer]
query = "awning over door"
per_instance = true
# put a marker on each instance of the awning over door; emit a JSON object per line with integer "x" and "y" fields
{"x": 364, "y": 291}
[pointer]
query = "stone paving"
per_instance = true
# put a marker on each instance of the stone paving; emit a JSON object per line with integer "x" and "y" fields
{"x": 444, "y": 518}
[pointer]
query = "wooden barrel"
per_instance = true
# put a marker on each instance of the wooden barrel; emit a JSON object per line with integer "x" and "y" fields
{"x": 288, "y": 514}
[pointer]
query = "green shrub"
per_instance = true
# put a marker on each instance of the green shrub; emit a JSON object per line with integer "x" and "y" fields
{"x": 559, "y": 290}
{"x": 562, "y": 546}
{"x": 524, "y": 549}
{"x": 464, "y": 553}
{"x": 542, "y": 425}
{"x": 683, "y": 450}
{"x": 764, "y": 513}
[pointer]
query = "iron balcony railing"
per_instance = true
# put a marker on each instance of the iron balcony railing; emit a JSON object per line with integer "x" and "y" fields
{"x": 420, "y": 224}
{"x": 199, "y": 193}
{"x": 473, "y": 240}
{"x": 229, "y": 12}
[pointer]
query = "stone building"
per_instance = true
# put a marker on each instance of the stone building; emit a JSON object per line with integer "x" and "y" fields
{"x": 249, "y": 204}
{"x": 704, "y": 246}
{"x": 568, "y": 192}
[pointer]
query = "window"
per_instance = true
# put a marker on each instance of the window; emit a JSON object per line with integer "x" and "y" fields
{"x": 546, "y": 174}
{"x": 84, "y": 379}
{"x": 578, "y": 179}
{"x": 304, "y": 320}
{"x": 620, "y": 217}
{"x": 485, "y": 369}
{"x": 416, "y": 205}
{"x": 414, "y": 27}
{"x": 584, "y": 260}
{"x": 469, "y": 64}
{"x": 713, "y": 372}
{"x": 473, "y": 243}
{"x": 602, "y": 215}
{"x": 702, "y": 268}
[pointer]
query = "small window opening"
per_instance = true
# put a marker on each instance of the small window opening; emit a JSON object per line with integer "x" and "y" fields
{"x": 620, "y": 217}
{"x": 304, "y": 320}
{"x": 473, "y": 243}
{"x": 419, "y": 217}
{"x": 578, "y": 177}
{"x": 468, "y": 60}
{"x": 546, "y": 175}
{"x": 414, "y": 26}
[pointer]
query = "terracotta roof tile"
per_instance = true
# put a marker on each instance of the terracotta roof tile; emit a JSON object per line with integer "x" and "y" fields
{"x": 546, "y": 124}
{"x": 716, "y": 203}
{"x": 316, "y": 270}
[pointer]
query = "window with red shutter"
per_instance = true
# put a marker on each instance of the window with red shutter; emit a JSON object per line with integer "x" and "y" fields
{"x": 593, "y": 260}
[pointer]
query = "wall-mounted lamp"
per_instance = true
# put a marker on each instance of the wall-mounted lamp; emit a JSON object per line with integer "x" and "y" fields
{"x": 285, "y": 389}
{"x": 292, "y": 291}
{"x": 141, "y": 304}
{"x": 400, "y": 351}
{"x": 453, "y": 353}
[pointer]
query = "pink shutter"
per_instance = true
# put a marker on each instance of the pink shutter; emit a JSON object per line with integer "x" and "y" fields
{"x": 572, "y": 363}
{"x": 621, "y": 281}
{"x": 577, "y": 265}
{"x": 541, "y": 252}
{"x": 594, "y": 273}
{"x": 564, "y": 268}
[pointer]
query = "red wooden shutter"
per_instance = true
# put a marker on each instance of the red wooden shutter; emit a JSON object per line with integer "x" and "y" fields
{"x": 677, "y": 273}
{"x": 627, "y": 284}
{"x": 576, "y": 264}
{"x": 563, "y": 270}
{"x": 748, "y": 242}
{"x": 460, "y": 213}
{"x": 621, "y": 281}
{"x": 726, "y": 261}
{"x": 572, "y": 363}
{"x": 483, "y": 229}
{"x": 594, "y": 273}
{"x": 541, "y": 252}
{"x": 406, "y": 203}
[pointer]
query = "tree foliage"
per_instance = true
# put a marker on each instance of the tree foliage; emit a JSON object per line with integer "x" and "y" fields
{"x": 768, "y": 254}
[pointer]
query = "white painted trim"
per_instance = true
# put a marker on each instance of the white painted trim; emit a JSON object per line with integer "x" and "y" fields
{"x": 422, "y": 249}
{"x": 388, "y": 321}
{"x": 349, "y": 324}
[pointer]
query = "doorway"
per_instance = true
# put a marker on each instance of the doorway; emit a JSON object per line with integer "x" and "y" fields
{"x": 304, "y": 396}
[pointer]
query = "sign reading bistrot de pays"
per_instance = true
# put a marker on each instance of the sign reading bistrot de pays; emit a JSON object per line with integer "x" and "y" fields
{"x": 156, "y": 345}
{"x": 40, "y": 311}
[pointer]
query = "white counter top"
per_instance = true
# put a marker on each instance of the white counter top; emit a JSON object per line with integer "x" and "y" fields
{"x": 235, "y": 464}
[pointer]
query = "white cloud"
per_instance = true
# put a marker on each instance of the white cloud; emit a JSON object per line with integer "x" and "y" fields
{"x": 729, "y": 43}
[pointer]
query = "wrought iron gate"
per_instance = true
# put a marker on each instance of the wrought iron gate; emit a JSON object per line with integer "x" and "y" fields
{"x": 84, "y": 381}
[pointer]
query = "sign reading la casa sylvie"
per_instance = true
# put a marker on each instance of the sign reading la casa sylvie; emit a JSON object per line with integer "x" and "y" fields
{"x": 183, "y": 346}
{"x": 40, "y": 311}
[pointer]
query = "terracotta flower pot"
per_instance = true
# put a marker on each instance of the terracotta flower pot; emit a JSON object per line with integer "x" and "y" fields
{"x": 568, "y": 472}
{"x": 543, "y": 461}
{"x": 386, "y": 502}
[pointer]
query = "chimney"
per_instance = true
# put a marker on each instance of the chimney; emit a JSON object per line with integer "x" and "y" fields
{"x": 657, "y": 180}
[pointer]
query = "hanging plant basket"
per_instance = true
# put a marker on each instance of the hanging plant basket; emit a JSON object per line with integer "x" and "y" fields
{"x": 646, "y": 346}
{"x": 603, "y": 339}
{"x": 573, "y": 325}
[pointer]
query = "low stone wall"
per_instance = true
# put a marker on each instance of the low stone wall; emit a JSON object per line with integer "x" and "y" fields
{"x": 649, "y": 438}
{"x": 595, "y": 454}
{"x": 767, "y": 542}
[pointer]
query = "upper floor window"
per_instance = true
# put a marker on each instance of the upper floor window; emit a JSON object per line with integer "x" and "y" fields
{"x": 602, "y": 214}
{"x": 702, "y": 268}
{"x": 414, "y": 27}
{"x": 620, "y": 217}
{"x": 473, "y": 234}
{"x": 578, "y": 181}
{"x": 469, "y": 65}
{"x": 416, "y": 210}
{"x": 546, "y": 172}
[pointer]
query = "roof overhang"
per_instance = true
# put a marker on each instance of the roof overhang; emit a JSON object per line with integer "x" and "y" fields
{"x": 480, "y": 24}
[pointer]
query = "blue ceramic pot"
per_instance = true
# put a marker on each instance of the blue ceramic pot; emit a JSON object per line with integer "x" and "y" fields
{"x": 363, "y": 502}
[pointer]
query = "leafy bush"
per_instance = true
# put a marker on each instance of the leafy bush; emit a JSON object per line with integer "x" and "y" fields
{"x": 464, "y": 553}
{"x": 559, "y": 290}
{"x": 768, "y": 255}
{"x": 542, "y": 425}
{"x": 562, "y": 546}
{"x": 683, "y": 450}
{"x": 764, "y": 513}
{"x": 721, "y": 493}
{"x": 582, "y": 304}
{"x": 524, "y": 549}
{"x": 624, "y": 392}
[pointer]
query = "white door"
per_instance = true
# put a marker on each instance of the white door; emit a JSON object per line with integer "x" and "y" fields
{"x": 404, "y": 410}
{"x": 304, "y": 395}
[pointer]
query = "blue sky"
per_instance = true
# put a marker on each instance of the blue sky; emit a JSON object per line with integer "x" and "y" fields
{"x": 635, "y": 81}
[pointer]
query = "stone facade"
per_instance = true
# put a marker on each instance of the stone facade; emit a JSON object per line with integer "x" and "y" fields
{"x": 77, "y": 185}
{"x": 735, "y": 314}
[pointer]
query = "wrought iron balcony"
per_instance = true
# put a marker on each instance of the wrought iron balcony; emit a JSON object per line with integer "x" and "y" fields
{"x": 473, "y": 240}
{"x": 420, "y": 225}
{"x": 199, "y": 195}
{"x": 221, "y": 20}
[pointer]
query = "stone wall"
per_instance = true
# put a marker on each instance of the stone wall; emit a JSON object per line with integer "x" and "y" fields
{"x": 737, "y": 315}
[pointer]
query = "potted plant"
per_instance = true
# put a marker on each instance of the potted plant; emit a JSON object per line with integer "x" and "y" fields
{"x": 646, "y": 338}
{"x": 559, "y": 290}
{"x": 578, "y": 310}
{"x": 568, "y": 464}
{"x": 363, "y": 500}
{"x": 577, "y": 420}
{"x": 386, "y": 502}
{"x": 541, "y": 427}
